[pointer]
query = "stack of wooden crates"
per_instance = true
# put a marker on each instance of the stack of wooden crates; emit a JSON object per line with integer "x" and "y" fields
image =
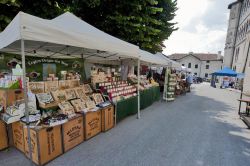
{"x": 49, "y": 143}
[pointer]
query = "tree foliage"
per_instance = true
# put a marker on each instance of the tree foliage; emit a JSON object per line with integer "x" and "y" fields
{"x": 146, "y": 23}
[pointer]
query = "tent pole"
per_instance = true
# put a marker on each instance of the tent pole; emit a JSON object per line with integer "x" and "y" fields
{"x": 241, "y": 94}
{"x": 138, "y": 89}
{"x": 24, "y": 84}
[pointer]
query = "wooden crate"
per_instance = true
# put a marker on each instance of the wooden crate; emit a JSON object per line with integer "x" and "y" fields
{"x": 72, "y": 132}
{"x": 107, "y": 117}
{"x": 92, "y": 124}
{"x": 46, "y": 144}
{"x": 17, "y": 134}
{"x": 8, "y": 97}
{"x": 50, "y": 86}
{"x": 3, "y": 136}
{"x": 36, "y": 87}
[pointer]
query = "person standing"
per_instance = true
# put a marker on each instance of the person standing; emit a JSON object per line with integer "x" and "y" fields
{"x": 189, "y": 81}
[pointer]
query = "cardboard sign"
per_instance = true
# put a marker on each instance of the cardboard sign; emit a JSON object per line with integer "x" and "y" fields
{"x": 66, "y": 108}
{"x": 59, "y": 95}
{"x": 78, "y": 105}
{"x": 97, "y": 98}
{"x": 70, "y": 94}
{"x": 87, "y": 88}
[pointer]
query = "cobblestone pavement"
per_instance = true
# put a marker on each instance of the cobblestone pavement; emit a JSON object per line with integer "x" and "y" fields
{"x": 200, "y": 128}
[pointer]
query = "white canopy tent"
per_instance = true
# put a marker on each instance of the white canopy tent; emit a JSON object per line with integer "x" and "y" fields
{"x": 172, "y": 63}
{"x": 66, "y": 36}
{"x": 153, "y": 59}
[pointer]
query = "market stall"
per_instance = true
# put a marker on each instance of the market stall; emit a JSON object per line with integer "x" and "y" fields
{"x": 227, "y": 72}
{"x": 151, "y": 90}
{"x": 53, "y": 106}
{"x": 60, "y": 102}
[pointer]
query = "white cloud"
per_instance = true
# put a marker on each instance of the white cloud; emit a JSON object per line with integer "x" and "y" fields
{"x": 202, "y": 27}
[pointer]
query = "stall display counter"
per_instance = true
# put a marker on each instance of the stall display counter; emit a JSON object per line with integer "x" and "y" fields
{"x": 107, "y": 118}
{"x": 72, "y": 133}
{"x": 92, "y": 124}
{"x": 18, "y": 137}
{"x": 46, "y": 143}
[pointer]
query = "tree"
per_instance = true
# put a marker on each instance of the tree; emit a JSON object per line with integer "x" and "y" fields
{"x": 145, "y": 23}
{"x": 41, "y": 8}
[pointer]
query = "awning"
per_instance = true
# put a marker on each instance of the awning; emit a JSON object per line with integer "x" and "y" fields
{"x": 225, "y": 72}
{"x": 172, "y": 63}
{"x": 153, "y": 59}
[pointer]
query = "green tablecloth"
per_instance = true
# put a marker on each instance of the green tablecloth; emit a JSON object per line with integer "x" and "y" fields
{"x": 129, "y": 106}
{"x": 126, "y": 107}
{"x": 149, "y": 96}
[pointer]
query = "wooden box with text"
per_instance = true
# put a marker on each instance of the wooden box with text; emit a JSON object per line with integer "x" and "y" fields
{"x": 17, "y": 134}
{"x": 107, "y": 117}
{"x": 92, "y": 124}
{"x": 46, "y": 144}
{"x": 3, "y": 136}
{"x": 73, "y": 133}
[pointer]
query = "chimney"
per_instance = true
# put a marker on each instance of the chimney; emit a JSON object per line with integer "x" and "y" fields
{"x": 219, "y": 55}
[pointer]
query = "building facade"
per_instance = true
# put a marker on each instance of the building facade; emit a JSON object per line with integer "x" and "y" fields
{"x": 237, "y": 45}
{"x": 202, "y": 65}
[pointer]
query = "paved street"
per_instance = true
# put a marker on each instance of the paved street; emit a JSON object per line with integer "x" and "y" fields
{"x": 201, "y": 128}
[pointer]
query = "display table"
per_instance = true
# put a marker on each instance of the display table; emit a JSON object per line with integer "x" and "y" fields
{"x": 126, "y": 107}
{"x": 129, "y": 106}
{"x": 149, "y": 96}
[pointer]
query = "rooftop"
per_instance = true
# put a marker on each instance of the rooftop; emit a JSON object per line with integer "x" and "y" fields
{"x": 233, "y": 3}
{"x": 200, "y": 56}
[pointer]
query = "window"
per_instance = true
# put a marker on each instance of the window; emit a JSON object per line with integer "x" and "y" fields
{"x": 206, "y": 75}
{"x": 237, "y": 54}
{"x": 189, "y": 65}
{"x": 195, "y": 74}
{"x": 207, "y": 66}
{"x": 183, "y": 64}
{"x": 196, "y": 66}
{"x": 208, "y": 61}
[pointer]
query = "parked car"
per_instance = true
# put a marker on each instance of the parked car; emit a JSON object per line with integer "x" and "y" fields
{"x": 206, "y": 79}
{"x": 199, "y": 80}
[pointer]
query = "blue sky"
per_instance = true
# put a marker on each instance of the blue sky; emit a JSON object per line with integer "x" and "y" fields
{"x": 202, "y": 27}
